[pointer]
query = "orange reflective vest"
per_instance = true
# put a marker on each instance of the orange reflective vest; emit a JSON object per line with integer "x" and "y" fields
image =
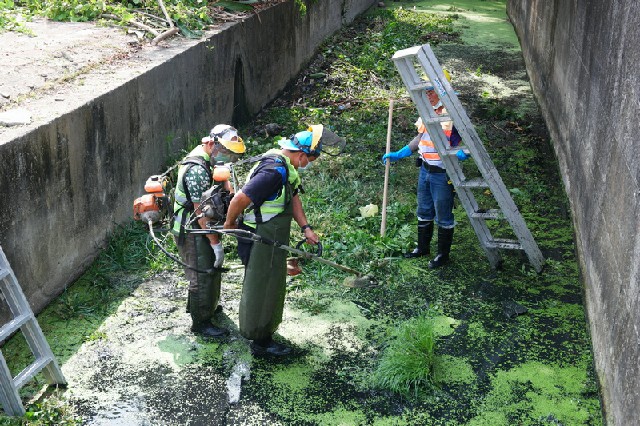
{"x": 427, "y": 149}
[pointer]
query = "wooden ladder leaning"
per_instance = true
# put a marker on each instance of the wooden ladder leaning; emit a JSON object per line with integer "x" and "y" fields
{"x": 420, "y": 69}
{"x": 24, "y": 320}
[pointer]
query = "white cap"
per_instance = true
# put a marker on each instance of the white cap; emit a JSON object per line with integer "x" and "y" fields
{"x": 224, "y": 132}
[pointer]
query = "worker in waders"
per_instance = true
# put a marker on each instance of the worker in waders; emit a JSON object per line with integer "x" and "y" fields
{"x": 203, "y": 252}
{"x": 435, "y": 190}
{"x": 268, "y": 201}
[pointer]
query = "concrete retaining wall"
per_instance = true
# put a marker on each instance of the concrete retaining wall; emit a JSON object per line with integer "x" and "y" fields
{"x": 582, "y": 58}
{"x": 65, "y": 183}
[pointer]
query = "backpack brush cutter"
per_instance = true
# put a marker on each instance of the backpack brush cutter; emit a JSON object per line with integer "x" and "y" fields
{"x": 155, "y": 206}
{"x": 359, "y": 281}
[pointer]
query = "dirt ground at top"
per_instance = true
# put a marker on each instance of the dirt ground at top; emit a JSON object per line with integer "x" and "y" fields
{"x": 51, "y": 57}
{"x": 37, "y": 64}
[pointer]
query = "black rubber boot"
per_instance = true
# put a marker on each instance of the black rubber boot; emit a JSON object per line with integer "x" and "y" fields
{"x": 268, "y": 346}
{"x": 201, "y": 322}
{"x": 425, "y": 233}
{"x": 445, "y": 238}
{"x": 206, "y": 329}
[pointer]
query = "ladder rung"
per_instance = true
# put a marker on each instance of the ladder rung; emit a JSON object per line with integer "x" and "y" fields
{"x": 419, "y": 87}
{"x": 9, "y": 328}
{"x": 454, "y": 150}
{"x": 409, "y": 52}
{"x": 500, "y": 243}
{"x": 488, "y": 214}
{"x": 31, "y": 371}
{"x": 3, "y": 273}
{"x": 474, "y": 183}
{"x": 438, "y": 119}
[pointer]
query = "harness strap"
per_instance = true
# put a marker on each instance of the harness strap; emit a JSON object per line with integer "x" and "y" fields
{"x": 188, "y": 206}
{"x": 273, "y": 165}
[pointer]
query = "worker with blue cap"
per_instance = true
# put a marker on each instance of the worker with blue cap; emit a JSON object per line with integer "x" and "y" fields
{"x": 267, "y": 202}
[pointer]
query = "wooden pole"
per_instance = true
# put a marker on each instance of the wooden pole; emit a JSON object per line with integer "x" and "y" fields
{"x": 383, "y": 224}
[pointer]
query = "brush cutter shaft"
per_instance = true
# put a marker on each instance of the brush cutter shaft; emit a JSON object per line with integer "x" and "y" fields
{"x": 248, "y": 235}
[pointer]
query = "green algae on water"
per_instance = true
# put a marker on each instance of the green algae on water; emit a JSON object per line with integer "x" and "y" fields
{"x": 534, "y": 392}
{"x": 296, "y": 376}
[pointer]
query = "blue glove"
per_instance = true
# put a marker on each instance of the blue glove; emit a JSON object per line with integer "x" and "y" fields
{"x": 461, "y": 155}
{"x": 395, "y": 156}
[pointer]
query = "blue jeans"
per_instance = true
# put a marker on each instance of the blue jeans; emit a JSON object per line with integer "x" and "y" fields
{"x": 435, "y": 198}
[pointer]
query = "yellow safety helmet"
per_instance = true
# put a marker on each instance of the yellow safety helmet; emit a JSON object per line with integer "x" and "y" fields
{"x": 447, "y": 76}
{"x": 317, "y": 130}
{"x": 226, "y": 134}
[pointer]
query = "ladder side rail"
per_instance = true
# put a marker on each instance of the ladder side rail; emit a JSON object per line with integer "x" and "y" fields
{"x": 11, "y": 296}
{"x": 454, "y": 108}
{"x": 42, "y": 351}
{"x": 503, "y": 198}
{"x": 31, "y": 330}
{"x": 500, "y": 193}
{"x": 481, "y": 229}
{"x": 9, "y": 396}
{"x": 12, "y": 326}
{"x": 408, "y": 73}
{"x": 409, "y": 52}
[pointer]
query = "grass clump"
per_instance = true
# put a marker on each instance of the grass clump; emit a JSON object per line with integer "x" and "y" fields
{"x": 407, "y": 364}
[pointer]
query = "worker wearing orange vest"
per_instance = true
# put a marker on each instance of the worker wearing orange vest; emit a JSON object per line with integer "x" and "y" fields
{"x": 435, "y": 191}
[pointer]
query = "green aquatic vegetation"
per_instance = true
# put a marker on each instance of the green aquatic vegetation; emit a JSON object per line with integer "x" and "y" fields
{"x": 356, "y": 71}
{"x": 296, "y": 376}
{"x": 341, "y": 417}
{"x": 406, "y": 366}
{"x": 310, "y": 301}
{"x": 453, "y": 370}
{"x": 444, "y": 326}
{"x": 536, "y": 392}
{"x": 181, "y": 350}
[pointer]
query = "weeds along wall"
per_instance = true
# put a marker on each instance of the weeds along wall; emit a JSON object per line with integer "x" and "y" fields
{"x": 67, "y": 181}
{"x": 582, "y": 59}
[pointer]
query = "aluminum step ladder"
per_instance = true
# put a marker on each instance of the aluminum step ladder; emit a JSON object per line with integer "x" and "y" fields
{"x": 25, "y": 321}
{"x": 420, "y": 69}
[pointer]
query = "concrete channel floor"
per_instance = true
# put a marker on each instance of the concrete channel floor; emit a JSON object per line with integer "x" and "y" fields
{"x": 146, "y": 368}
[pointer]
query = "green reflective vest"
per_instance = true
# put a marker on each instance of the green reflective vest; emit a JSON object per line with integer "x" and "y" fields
{"x": 270, "y": 209}
{"x": 182, "y": 202}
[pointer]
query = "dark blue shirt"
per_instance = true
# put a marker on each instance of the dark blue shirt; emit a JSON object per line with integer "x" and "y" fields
{"x": 266, "y": 183}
